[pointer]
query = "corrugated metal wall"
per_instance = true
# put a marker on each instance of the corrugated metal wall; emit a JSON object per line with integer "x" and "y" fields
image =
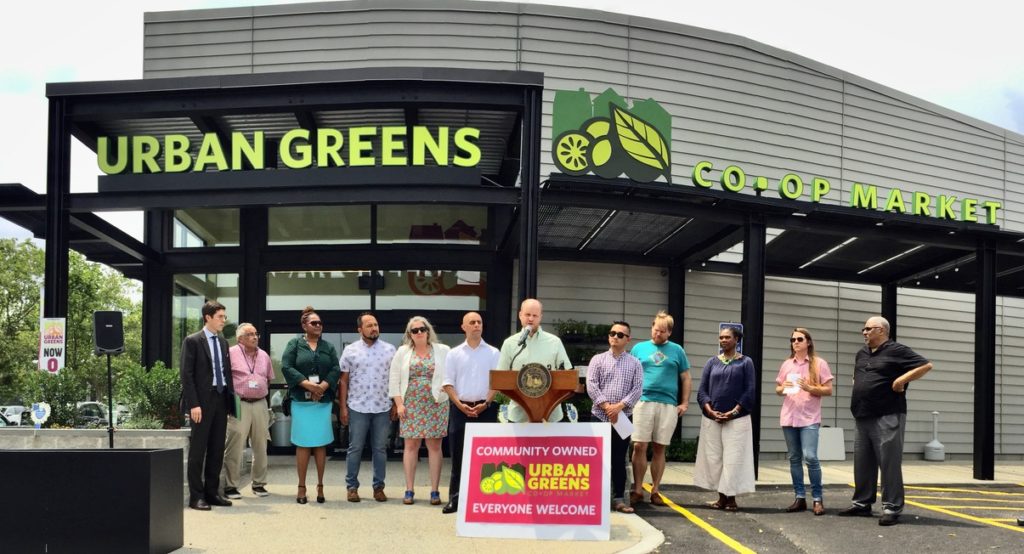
{"x": 733, "y": 101}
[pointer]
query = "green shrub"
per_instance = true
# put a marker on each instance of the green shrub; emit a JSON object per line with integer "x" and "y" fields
{"x": 62, "y": 392}
{"x": 681, "y": 450}
{"x": 151, "y": 395}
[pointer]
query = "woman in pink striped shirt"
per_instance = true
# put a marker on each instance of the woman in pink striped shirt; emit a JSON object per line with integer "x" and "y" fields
{"x": 803, "y": 379}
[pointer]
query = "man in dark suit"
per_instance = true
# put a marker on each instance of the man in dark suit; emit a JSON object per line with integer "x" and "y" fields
{"x": 207, "y": 397}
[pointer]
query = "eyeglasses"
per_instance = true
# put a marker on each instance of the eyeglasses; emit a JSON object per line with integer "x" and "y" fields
{"x": 316, "y": 323}
{"x": 418, "y": 330}
{"x": 248, "y": 335}
{"x": 617, "y": 335}
{"x": 869, "y": 329}
{"x": 796, "y": 339}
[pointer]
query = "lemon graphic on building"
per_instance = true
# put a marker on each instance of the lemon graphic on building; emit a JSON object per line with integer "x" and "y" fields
{"x": 607, "y": 138}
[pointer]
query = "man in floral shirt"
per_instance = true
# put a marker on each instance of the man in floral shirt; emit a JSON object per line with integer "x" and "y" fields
{"x": 365, "y": 405}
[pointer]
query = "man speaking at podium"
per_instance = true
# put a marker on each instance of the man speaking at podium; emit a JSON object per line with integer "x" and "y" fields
{"x": 532, "y": 345}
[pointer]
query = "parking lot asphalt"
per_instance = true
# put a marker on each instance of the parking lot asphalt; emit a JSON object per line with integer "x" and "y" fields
{"x": 947, "y": 511}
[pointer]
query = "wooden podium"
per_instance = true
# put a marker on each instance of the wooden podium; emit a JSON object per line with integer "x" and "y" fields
{"x": 536, "y": 388}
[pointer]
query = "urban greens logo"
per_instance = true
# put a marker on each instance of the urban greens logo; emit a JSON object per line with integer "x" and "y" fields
{"x": 605, "y": 137}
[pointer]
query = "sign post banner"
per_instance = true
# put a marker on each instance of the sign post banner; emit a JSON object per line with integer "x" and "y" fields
{"x": 52, "y": 337}
{"x": 536, "y": 480}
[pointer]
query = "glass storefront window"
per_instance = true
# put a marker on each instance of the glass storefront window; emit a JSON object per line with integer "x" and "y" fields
{"x": 318, "y": 225}
{"x": 432, "y": 224}
{"x": 417, "y": 289}
{"x": 204, "y": 227}
{"x": 324, "y": 290}
{"x": 191, "y": 291}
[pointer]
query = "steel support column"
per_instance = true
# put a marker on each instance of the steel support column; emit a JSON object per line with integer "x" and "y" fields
{"x": 58, "y": 218}
{"x": 676, "y": 301}
{"x": 156, "y": 294}
{"x": 529, "y": 204}
{"x": 754, "y": 257}
{"x": 985, "y": 362}
{"x": 889, "y": 297}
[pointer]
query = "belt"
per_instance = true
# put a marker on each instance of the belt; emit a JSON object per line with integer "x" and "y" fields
{"x": 474, "y": 402}
{"x": 253, "y": 399}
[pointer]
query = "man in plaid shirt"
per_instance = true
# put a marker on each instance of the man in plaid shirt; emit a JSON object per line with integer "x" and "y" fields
{"x": 614, "y": 380}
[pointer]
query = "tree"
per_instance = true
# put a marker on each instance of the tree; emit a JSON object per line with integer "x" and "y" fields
{"x": 21, "y": 270}
{"x": 91, "y": 287}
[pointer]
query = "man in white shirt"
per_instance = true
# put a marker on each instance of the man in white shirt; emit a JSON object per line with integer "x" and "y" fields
{"x": 467, "y": 381}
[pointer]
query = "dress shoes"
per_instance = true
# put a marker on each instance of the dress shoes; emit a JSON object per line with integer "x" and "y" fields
{"x": 888, "y": 519}
{"x": 855, "y": 510}
{"x": 199, "y": 505}
{"x": 798, "y": 505}
{"x": 452, "y": 506}
{"x": 218, "y": 501}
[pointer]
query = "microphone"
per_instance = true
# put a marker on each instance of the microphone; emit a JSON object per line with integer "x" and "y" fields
{"x": 523, "y": 336}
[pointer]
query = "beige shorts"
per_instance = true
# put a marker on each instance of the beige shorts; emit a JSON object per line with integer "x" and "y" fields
{"x": 654, "y": 422}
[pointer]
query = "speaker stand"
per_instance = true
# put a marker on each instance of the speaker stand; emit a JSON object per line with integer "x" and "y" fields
{"x": 110, "y": 402}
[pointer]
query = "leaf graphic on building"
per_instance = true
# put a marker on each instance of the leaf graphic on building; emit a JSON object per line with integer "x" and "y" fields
{"x": 641, "y": 141}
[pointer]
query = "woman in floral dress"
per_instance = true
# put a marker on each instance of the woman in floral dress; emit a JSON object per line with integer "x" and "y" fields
{"x": 417, "y": 371}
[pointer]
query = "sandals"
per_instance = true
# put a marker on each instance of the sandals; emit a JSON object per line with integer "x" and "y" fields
{"x": 320, "y": 493}
{"x": 435, "y": 498}
{"x": 622, "y": 508}
{"x": 720, "y": 503}
{"x": 727, "y": 503}
{"x": 301, "y": 499}
{"x": 635, "y": 497}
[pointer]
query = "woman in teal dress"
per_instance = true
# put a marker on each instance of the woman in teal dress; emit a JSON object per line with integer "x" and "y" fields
{"x": 417, "y": 371}
{"x": 310, "y": 366}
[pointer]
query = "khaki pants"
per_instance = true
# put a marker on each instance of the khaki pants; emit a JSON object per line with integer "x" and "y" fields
{"x": 253, "y": 422}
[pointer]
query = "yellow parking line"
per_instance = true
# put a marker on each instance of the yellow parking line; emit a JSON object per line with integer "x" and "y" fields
{"x": 971, "y": 491}
{"x": 712, "y": 530}
{"x": 1006, "y": 519}
{"x": 965, "y": 516}
{"x": 1006, "y": 500}
{"x": 1014, "y": 508}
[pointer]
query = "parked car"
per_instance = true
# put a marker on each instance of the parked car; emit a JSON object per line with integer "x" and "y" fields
{"x": 94, "y": 414}
{"x": 15, "y": 415}
{"x": 4, "y": 422}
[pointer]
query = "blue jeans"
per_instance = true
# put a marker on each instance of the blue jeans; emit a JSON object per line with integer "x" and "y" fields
{"x": 359, "y": 425}
{"x": 802, "y": 443}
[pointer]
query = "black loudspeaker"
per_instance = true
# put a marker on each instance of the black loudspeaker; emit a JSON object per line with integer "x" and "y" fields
{"x": 108, "y": 332}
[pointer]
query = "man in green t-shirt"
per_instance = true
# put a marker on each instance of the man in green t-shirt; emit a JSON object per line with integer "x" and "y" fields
{"x": 660, "y": 406}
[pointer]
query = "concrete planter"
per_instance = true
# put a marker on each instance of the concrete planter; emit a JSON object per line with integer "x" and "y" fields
{"x": 93, "y": 500}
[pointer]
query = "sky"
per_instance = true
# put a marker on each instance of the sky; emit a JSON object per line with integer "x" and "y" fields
{"x": 964, "y": 56}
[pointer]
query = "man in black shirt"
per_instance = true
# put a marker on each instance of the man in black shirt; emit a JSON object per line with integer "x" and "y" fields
{"x": 881, "y": 372}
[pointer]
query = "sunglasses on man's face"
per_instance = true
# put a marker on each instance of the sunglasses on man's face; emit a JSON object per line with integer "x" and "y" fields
{"x": 796, "y": 339}
{"x": 617, "y": 334}
{"x": 315, "y": 323}
{"x": 418, "y": 330}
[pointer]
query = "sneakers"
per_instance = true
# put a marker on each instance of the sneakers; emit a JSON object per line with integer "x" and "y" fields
{"x": 889, "y": 518}
{"x": 855, "y": 510}
{"x": 353, "y": 495}
{"x": 232, "y": 493}
{"x": 258, "y": 490}
{"x": 378, "y": 495}
{"x": 408, "y": 498}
